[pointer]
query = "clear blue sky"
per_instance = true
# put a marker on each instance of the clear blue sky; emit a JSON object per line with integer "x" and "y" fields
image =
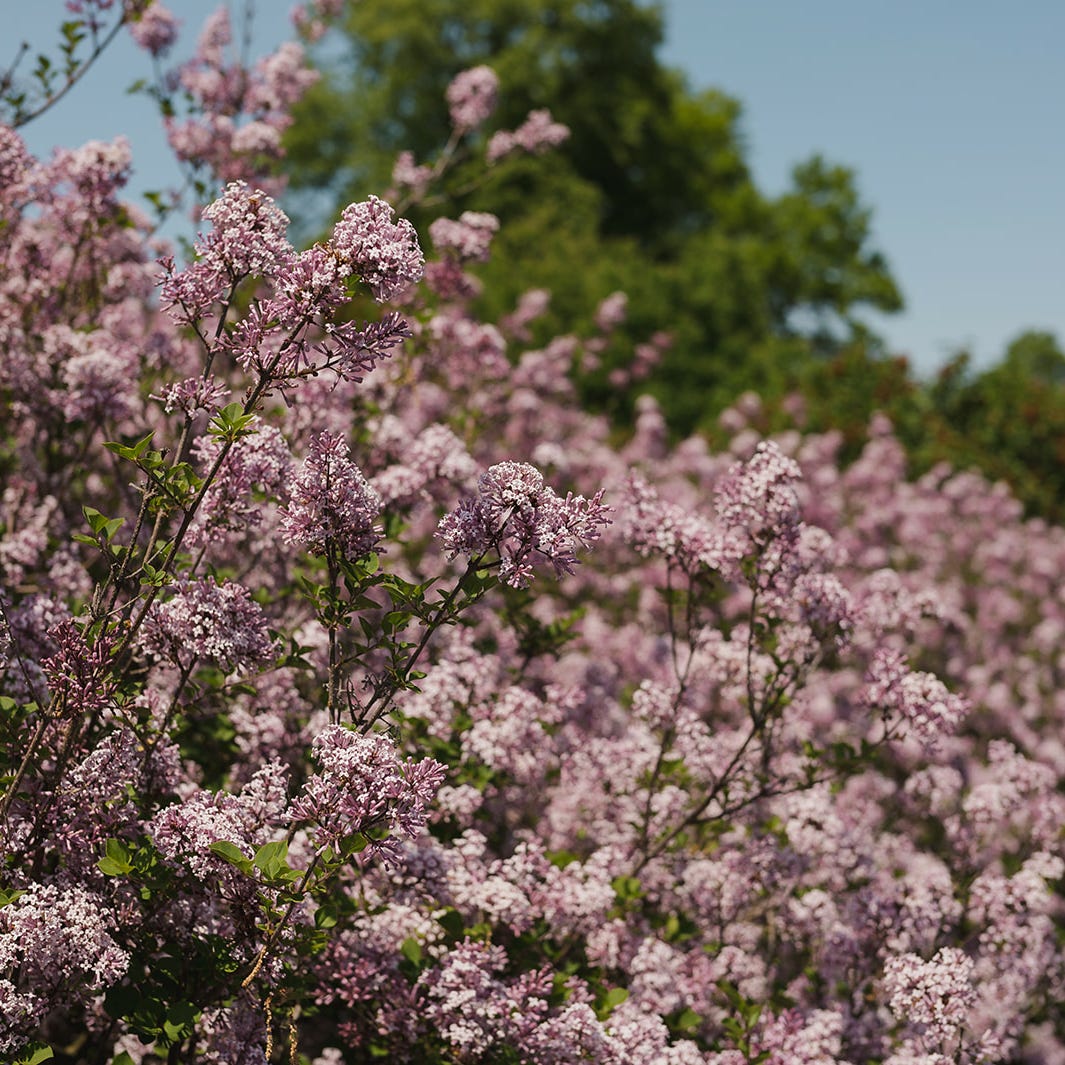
{"x": 953, "y": 116}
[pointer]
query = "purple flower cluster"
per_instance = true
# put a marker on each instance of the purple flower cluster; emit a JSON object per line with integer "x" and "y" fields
{"x": 78, "y": 674}
{"x": 331, "y": 504}
{"x": 183, "y": 833}
{"x": 521, "y": 518}
{"x": 257, "y": 467}
{"x": 154, "y": 28}
{"x": 759, "y": 496}
{"x": 56, "y": 941}
{"x": 363, "y": 787}
{"x": 469, "y": 238}
{"x": 248, "y": 239}
{"x": 205, "y": 619}
{"x": 536, "y": 135}
{"x": 408, "y": 175}
{"x": 920, "y": 700}
{"x": 937, "y": 995}
{"x": 471, "y": 97}
{"x": 236, "y": 113}
{"x": 382, "y": 253}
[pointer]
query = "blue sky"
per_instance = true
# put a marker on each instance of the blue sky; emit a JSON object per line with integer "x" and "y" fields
{"x": 953, "y": 116}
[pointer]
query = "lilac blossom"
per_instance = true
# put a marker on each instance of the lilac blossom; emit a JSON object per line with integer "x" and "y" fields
{"x": 937, "y": 995}
{"x": 468, "y": 345}
{"x": 535, "y": 135}
{"x": 522, "y": 519}
{"x": 693, "y": 541}
{"x": 382, "y": 253}
{"x": 363, "y": 787}
{"x": 205, "y": 619}
{"x": 248, "y": 239}
{"x": 468, "y": 238}
{"x": 471, "y": 97}
{"x": 15, "y": 166}
{"x": 58, "y": 940}
{"x": 258, "y": 465}
{"x": 531, "y": 305}
{"x": 611, "y": 312}
{"x": 408, "y": 175}
{"x": 436, "y": 455}
{"x": 331, "y": 504}
{"x": 183, "y": 832}
{"x": 154, "y": 28}
{"x": 473, "y": 1009}
{"x": 922, "y": 702}
{"x": 759, "y": 496}
{"x": 95, "y": 172}
{"x": 193, "y": 395}
{"x": 227, "y": 99}
{"x": 78, "y": 674}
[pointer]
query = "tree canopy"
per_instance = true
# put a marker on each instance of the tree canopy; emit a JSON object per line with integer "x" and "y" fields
{"x": 651, "y": 194}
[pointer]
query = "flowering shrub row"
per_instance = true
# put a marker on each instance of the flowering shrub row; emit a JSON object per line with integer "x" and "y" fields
{"x": 362, "y": 699}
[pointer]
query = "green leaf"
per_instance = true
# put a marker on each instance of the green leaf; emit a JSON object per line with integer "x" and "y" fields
{"x": 412, "y": 951}
{"x": 231, "y": 423}
{"x": 452, "y": 923}
{"x": 626, "y": 888}
{"x": 270, "y": 858}
{"x": 356, "y": 843}
{"x": 611, "y": 1000}
{"x": 133, "y": 451}
{"x": 231, "y": 853}
{"x": 116, "y": 860}
{"x": 182, "y": 1013}
{"x": 687, "y": 1020}
{"x": 325, "y": 916}
{"x": 34, "y": 1055}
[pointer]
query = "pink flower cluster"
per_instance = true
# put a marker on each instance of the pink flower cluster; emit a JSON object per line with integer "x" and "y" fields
{"x": 536, "y": 135}
{"x": 248, "y": 239}
{"x": 362, "y": 787}
{"x": 469, "y": 238}
{"x": 331, "y": 504}
{"x": 521, "y": 518}
{"x": 937, "y": 996}
{"x": 382, "y": 253}
{"x": 471, "y": 97}
{"x": 58, "y": 940}
{"x": 921, "y": 700}
{"x": 154, "y": 28}
{"x": 205, "y": 619}
{"x": 238, "y": 114}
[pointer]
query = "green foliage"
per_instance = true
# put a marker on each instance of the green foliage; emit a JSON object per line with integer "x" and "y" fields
{"x": 34, "y": 1055}
{"x": 1006, "y": 421}
{"x": 231, "y": 423}
{"x": 1009, "y": 420}
{"x": 651, "y": 194}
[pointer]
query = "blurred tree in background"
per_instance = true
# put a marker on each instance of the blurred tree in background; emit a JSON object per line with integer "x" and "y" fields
{"x": 652, "y": 195}
{"x": 1007, "y": 420}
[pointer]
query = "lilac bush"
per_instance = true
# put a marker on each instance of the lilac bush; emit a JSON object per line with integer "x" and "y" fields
{"x": 361, "y": 697}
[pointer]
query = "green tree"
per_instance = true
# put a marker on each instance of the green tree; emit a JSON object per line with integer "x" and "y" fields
{"x": 652, "y": 193}
{"x": 1009, "y": 420}
{"x": 1006, "y": 421}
